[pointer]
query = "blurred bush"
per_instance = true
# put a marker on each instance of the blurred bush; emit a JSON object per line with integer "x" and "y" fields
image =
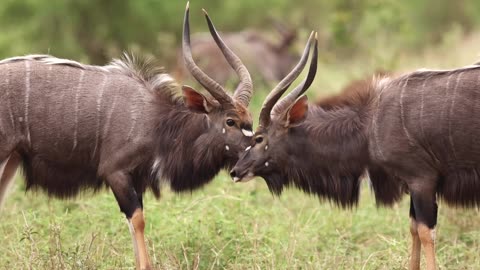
{"x": 96, "y": 30}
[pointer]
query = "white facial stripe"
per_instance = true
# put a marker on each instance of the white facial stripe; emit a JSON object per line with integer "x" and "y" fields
{"x": 266, "y": 164}
{"x": 248, "y": 148}
{"x": 266, "y": 147}
{"x": 223, "y": 130}
{"x": 247, "y": 133}
{"x": 227, "y": 148}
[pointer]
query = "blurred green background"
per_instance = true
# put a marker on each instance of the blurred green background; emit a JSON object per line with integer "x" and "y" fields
{"x": 227, "y": 226}
{"x": 94, "y": 31}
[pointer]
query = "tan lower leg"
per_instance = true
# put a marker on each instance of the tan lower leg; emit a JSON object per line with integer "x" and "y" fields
{"x": 7, "y": 173}
{"x": 427, "y": 237}
{"x": 416, "y": 246}
{"x": 137, "y": 229}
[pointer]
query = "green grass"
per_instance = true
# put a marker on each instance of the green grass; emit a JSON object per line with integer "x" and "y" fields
{"x": 224, "y": 226}
{"x": 239, "y": 226}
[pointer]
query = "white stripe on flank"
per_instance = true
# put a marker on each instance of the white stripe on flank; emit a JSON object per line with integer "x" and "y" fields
{"x": 99, "y": 115}
{"x": 77, "y": 93}
{"x": 134, "y": 112}
{"x": 27, "y": 97}
{"x": 422, "y": 105}
{"x": 109, "y": 116}
{"x": 402, "y": 113}
{"x": 452, "y": 105}
{"x": 447, "y": 86}
{"x": 49, "y": 71}
{"x": 7, "y": 82}
{"x": 1, "y": 127}
{"x": 375, "y": 120}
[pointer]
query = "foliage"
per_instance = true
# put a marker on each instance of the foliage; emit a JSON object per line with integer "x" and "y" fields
{"x": 96, "y": 30}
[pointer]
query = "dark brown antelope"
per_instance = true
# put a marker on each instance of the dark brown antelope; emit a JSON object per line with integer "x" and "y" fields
{"x": 73, "y": 127}
{"x": 269, "y": 60}
{"x": 415, "y": 133}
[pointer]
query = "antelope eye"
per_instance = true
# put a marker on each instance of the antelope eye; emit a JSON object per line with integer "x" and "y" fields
{"x": 259, "y": 139}
{"x": 230, "y": 122}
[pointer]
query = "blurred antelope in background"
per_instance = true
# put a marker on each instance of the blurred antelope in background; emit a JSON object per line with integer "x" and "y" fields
{"x": 267, "y": 59}
{"x": 416, "y": 133}
{"x": 73, "y": 127}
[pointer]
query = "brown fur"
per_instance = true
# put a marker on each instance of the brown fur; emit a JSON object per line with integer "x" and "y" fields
{"x": 415, "y": 133}
{"x": 362, "y": 128}
{"x": 77, "y": 127}
{"x": 78, "y": 159}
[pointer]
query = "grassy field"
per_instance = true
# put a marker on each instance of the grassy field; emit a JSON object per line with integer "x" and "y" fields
{"x": 238, "y": 226}
{"x": 225, "y": 226}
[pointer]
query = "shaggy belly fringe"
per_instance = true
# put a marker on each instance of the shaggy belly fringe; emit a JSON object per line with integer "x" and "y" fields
{"x": 56, "y": 180}
{"x": 460, "y": 187}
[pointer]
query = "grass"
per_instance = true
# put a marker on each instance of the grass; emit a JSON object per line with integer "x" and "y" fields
{"x": 224, "y": 226}
{"x": 238, "y": 226}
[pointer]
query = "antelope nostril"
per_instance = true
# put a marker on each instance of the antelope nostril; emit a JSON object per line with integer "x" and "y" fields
{"x": 233, "y": 173}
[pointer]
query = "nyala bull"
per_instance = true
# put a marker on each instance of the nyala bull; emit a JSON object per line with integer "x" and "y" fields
{"x": 73, "y": 127}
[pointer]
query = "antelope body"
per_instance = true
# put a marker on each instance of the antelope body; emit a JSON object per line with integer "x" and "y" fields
{"x": 270, "y": 61}
{"x": 74, "y": 127}
{"x": 415, "y": 133}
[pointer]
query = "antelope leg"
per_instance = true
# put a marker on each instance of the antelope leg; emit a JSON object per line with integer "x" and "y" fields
{"x": 427, "y": 237}
{"x": 416, "y": 244}
{"x": 425, "y": 209}
{"x": 137, "y": 227}
{"x": 131, "y": 205}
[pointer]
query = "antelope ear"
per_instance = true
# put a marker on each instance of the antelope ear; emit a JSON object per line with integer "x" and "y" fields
{"x": 196, "y": 101}
{"x": 297, "y": 112}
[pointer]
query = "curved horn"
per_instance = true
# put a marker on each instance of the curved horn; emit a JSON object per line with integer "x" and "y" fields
{"x": 288, "y": 100}
{"x": 244, "y": 90}
{"x": 215, "y": 89}
{"x": 278, "y": 91}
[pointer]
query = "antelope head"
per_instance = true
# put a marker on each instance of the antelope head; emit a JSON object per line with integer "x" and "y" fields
{"x": 228, "y": 115}
{"x": 268, "y": 153}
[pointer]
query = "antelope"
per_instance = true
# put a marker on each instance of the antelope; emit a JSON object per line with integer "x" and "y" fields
{"x": 75, "y": 127}
{"x": 414, "y": 134}
{"x": 270, "y": 61}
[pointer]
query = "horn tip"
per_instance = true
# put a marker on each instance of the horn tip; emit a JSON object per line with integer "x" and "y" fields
{"x": 316, "y": 36}
{"x": 188, "y": 5}
{"x": 205, "y": 12}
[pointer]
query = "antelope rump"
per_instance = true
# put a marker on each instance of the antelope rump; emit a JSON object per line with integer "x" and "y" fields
{"x": 416, "y": 134}
{"x": 73, "y": 127}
